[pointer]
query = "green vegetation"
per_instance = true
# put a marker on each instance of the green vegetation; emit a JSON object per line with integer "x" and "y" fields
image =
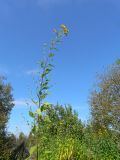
{"x": 57, "y": 132}
{"x": 105, "y": 100}
{"x": 6, "y": 105}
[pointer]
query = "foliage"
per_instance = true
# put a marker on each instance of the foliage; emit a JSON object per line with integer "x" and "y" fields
{"x": 57, "y": 135}
{"x": 103, "y": 145}
{"x": 63, "y": 121}
{"x": 86, "y": 145}
{"x": 21, "y": 138}
{"x": 42, "y": 88}
{"x": 57, "y": 132}
{"x": 6, "y": 105}
{"x": 105, "y": 100}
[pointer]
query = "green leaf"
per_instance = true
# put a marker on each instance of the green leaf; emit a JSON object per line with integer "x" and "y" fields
{"x": 48, "y": 152}
{"x": 42, "y": 108}
{"x": 38, "y": 111}
{"x": 42, "y": 64}
{"x": 45, "y": 88}
{"x": 47, "y": 104}
{"x": 51, "y": 55}
{"x": 34, "y": 129}
{"x": 33, "y": 149}
{"x": 45, "y": 84}
{"x": 50, "y": 65}
{"x": 35, "y": 102}
{"x": 40, "y": 92}
{"x": 47, "y": 70}
{"x": 47, "y": 119}
{"x": 43, "y": 75}
{"x": 31, "y": 114}
{"x": 43, "y": 96}
{"x": 52, "y": 48}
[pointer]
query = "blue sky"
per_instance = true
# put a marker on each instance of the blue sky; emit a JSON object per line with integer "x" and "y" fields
{"x": 92, "y": 44}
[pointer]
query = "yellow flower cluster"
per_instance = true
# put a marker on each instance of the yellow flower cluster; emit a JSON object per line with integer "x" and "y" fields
{"x": 65, "y": 29}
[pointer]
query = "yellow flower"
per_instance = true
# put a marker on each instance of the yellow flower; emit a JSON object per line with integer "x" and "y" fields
{"x": 65, "y": 29}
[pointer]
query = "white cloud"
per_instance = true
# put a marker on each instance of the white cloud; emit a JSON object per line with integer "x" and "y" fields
{"x": 23, "y": 103}
{"x": 20, "y": 103}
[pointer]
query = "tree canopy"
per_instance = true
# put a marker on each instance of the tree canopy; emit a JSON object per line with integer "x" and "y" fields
{"x": 105, "y": 100}
{"x": 6, "y": 105}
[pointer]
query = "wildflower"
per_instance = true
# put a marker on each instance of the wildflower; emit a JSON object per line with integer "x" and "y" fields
{"x": 65, "y": 29}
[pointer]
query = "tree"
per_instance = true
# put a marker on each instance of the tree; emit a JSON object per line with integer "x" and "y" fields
{"x": 64, "y": 121}
{"x": 59, "y": 134}
{"x": 6, "y": 105}
{"x": 105, "y": 100}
